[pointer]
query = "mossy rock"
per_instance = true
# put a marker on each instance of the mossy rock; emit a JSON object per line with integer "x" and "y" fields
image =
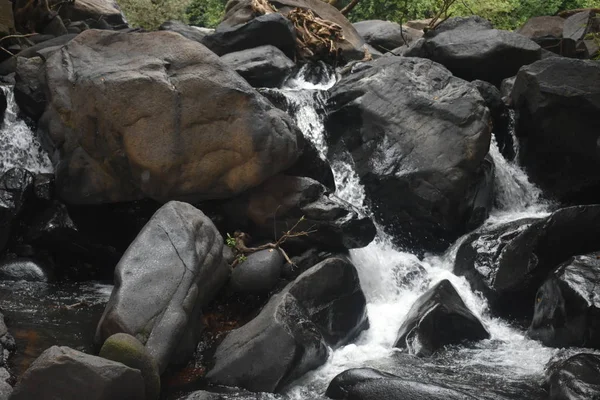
{"x": 126, "y": 349}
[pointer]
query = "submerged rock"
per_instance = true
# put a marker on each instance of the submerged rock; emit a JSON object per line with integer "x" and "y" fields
{"x": 172, "y": 269}
{"x": 171, "y": 123}
{"x": 24, "y": 269}
{"x": 577, "y": 378}
{"x": 67, "y": 374}
{"x": 439, "y": 318}
{"x": 324, "y": 306}
{"x": 567, "y": 305}
{"x": 509, "y": 262}
{"x": 370, "y": 384}
{"x": 556, "y": 100}
{"x": 413, "y": 128}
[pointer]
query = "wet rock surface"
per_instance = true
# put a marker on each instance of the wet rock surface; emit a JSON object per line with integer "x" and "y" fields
{"x": 553, "y": 97}
{"x": 323, "y": 306}
{"x": 264, "y": 66}
{"x": 509, "y": 262}
{"x": 425, "y": 141}
{"x": 439, "y": 318}
{"x": 576, "y": 378}
{"x": 567, "y": 305}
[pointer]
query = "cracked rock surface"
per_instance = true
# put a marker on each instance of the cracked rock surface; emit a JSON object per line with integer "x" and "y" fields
{"x": 154, "y": 115}
{"x": 172, "y": 269}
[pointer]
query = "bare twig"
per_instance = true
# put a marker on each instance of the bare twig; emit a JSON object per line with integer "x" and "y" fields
{"x": 349, "y": 7}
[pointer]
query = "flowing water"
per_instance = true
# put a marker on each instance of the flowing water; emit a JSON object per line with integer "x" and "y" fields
{"x": 508, "y": 365}
{"x": 19, "y": 146}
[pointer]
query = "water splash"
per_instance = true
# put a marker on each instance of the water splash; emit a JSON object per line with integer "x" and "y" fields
{"x": 392, "y": 280}
{"x": 19, "y": 146}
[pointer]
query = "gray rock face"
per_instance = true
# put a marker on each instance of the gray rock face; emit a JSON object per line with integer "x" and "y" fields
{"x": 567, "y": 306}
{"x": 439, "y": 318}
{"x": 270, "y": 29}
{"x": 473, "y": 51}
{"x": 282, "y": 201}
{"x": 577, "y": 378}
{"x": 189, "y": 32}
{"x": 580, "y": 24}
{"x": 67, "y": 374}
{"x": 171, "y": 270}
{"x": 385, "y": 36}
{"x": 509, "y": 262}
{"x": 557, "y": 101}
{"x": 29, "y": 91}
{"x": 323, "y": 306}
{"x": 547, "y": 31}
{"x": 259, "y": 273}
{"x": 413, "y": 128}
{"x": 173, "y": 122}
{"x": 264, "y": 66}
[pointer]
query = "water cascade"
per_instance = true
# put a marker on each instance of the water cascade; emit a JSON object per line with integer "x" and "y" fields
{"x": 392, "y": 279}
{"x": 18, "y": 144}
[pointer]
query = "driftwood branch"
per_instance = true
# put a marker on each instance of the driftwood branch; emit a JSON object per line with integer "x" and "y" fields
{"x": 349, "y": 7}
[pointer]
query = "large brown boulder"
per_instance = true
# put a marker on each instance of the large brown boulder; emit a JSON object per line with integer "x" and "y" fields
{"x": 137, "y": 115}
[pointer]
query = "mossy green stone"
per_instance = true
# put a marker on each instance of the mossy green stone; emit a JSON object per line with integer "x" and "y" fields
{"x": 127, "y": 350}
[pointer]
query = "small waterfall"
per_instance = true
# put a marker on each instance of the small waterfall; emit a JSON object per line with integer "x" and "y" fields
{"x": 18, "y": 144}
{"x": 392, "y": 280}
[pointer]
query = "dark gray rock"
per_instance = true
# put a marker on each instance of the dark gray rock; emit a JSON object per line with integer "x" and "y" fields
{"x": 189, "y": 32}
{"x": 259, "y": 273}
{"x": 506, "y": 88}
{"x": 323, "y": 306}
{"x": 470, "y": 50}
{"x": 385, "y": 36}
{"x": 16, "y": 187}
{"x": 578, "y": 25}
{"x": 501, "y": 120}
{"x": 577, "y": 378}
{"x": 67, "y": 374}
{"x": 547, "y": 31}
{"x": 509, "y": 262}
{"x": 312, "y": 165}
{"x": 3, "y": 105}
{"x": 29, "y": 90}
{"x": 191, "y": 128}
{"x": 264, "y": 66}
{"x": 557, "y": 101}
{"x": 9, "y": 66}
{"x": 270, "y": 29}
{"x": 24, "y": 269}
{"x": 437, "y": 319}
{"x": 55, "y": 27}
{"x": 426, "y": 141}
{"x": 567, "y": 307}
{"x": 284, "y": 201}
{"x": 471, "y": 23}
{"x": 370, "y": 384}
{"x": 173, "y": 268}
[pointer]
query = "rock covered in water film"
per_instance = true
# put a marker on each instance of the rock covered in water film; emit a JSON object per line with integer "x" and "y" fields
{"x": 576, "y": 378}
{"x": 418, "y": 137}
{"x": 508, "y": 262}
{"x": 370, "y": 384}
{"x": 439, "y": 318}
{"x": 567, "y": 305}
{"x": 323, "y": 307}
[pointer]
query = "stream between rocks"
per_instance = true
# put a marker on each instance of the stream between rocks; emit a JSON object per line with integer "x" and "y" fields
{"x": 507, "y": 366}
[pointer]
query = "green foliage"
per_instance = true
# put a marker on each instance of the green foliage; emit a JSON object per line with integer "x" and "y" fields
{"x": 150, "y": 14}
{"x": 241, "y": 258}
{"x": 504, "y": 14}
{"x": 230, "y": 241}
{"x": 206, "y": 13}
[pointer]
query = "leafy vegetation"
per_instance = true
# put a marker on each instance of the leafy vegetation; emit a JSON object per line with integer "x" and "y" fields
{"x": 504, "y": 14}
